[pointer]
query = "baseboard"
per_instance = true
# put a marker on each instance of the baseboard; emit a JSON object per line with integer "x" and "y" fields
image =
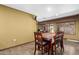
{"x": 73, "y": 40}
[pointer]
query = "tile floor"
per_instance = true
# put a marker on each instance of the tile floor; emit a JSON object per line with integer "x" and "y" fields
{"x": 71, "y": 48}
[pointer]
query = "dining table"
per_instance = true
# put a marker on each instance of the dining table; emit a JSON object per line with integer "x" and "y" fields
{"x": 49, "y": 37}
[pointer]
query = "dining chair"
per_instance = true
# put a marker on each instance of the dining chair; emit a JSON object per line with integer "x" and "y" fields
{"x": 40, "y": 43}
{"x": 61, "y": 34}
{"x": 58, "y": 42}
{"x": 61, "y": 42}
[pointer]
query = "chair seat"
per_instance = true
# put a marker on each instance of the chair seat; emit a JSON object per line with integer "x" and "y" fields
{"x": 44, "y": 43}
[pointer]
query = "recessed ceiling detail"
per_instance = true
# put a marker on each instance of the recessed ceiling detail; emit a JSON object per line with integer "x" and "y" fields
{"x": 47, "y": 11}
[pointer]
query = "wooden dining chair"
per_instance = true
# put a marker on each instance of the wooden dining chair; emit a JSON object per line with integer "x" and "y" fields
{"x": 55, "y": 44}
{"x": 61, "y": 42}
{"x": 58, "y": 42}
{"x": 40, "y": 43}
{"x": 61, "y": 34}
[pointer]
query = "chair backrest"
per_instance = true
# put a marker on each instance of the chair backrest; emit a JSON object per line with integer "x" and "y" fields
{"x": 38, "y": 36}
{"x": 58, "y": 37}
{"x": 61, "y": 34}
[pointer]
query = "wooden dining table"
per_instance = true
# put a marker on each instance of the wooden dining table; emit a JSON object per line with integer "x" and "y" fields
{"x": 49, "y": 37}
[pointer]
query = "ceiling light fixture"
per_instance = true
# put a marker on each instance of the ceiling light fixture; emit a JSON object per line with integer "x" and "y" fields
{"x": 56, "y": 14}
{"x": 49, "y": 9}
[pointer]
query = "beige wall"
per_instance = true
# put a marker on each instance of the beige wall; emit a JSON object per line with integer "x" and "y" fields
{"x": 77, "y": 27}
{"x": 17, "y": 25}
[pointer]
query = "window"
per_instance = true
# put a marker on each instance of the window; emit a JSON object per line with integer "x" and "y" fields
{"x": 67, "y": 27}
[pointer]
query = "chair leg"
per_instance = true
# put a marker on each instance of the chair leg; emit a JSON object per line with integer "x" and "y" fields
{"x": 52, "y": 50}
{"x": 42, "y": 50}
{"x": 35, "y": 50}
{"x": 38, "y": 47}
{"x": 62, "y": 47}
{"x": 55, "y": 49}
{"x": 48, "y": 49}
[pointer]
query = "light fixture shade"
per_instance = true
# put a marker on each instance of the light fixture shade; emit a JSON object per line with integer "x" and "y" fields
{"x": 49, "y": 9}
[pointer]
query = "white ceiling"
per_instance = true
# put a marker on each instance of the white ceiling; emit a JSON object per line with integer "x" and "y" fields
{"x": 47, "y": 11}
